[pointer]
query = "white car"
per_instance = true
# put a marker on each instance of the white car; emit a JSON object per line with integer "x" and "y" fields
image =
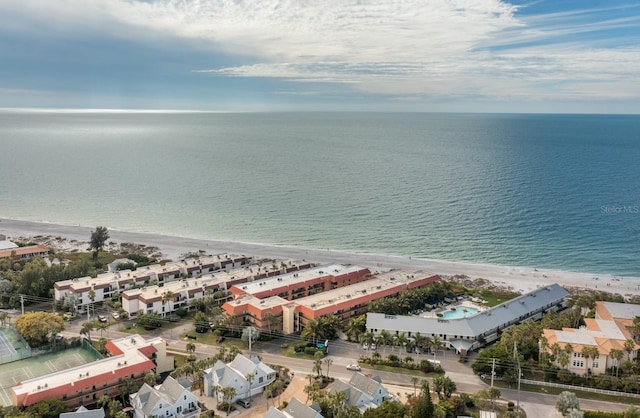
{"x": 115, "y": 315}
{"x": 354, "y": 367}
{"x": 102, "y": 318}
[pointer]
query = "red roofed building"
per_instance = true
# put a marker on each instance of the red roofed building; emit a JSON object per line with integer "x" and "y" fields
{"x": 25, "y": 253}
{"x": 130, "y": 358}
{"x": 291, "y": 314}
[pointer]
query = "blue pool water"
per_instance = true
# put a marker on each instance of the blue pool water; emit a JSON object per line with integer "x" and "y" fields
{"x": 459, "y": 313}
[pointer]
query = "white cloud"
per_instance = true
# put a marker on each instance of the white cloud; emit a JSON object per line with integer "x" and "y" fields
{"x": 408, "y": 48}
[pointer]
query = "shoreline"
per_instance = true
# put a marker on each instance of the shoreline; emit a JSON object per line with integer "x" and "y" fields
{"x": 521, "y": 279}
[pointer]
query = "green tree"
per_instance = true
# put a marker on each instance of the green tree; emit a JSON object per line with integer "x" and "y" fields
{"x": 616, "y": 355}
{"x": 424, "y": 407}
{"x": 328, "y": 363}
{"x": 87, "y": 327}
{"x": 566, "y": 402}
{"x": 150, "y": 379}
{"x": 114, "y": 407}
{"x": 98, "y": 239}
{"x": 201, "y": 322}
{"x": 149, "y": 320}
{"x": 39, "y": 328}
{"x": 50, "y": 408}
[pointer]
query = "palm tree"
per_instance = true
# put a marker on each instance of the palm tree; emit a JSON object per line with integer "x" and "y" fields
{"x": 92, "y": 296}
{"x": 616, "y": 355}
{"x": 269, "y": 318}
{"x": 86, "y": 329}
{"x": 114, "y": 406}
{"x": 629, "y": 347}
{"x": 191, "y": 348}
{"x": 384, "y": 338}
{"x": 328, "y": 362}
{"x": 415, "y": 380}
{"x": 268, "y": 392}
{"x": 228, "y": 393}
{"x": 401, "y": 341}
{"x": 589, "y": 352}
{"x": 249, "y": 377}
{"x": 166, "y": 297}
{"x": 436, "y": 344}
{"x": 563, "y": 359}
{"x": 214, "y": 392}
{"x": 103, "y": 401}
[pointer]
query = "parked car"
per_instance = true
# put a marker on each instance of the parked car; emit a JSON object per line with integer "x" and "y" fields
{"x": 115, "y": 315}
{"x": 246, "y": 403}
{"x": 354, "y": 368}
{"x": 374, "y": 347}
{"x": 102, "y": 318}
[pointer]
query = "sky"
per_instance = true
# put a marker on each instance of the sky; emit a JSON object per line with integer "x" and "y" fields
{"x": 551, "y": 56}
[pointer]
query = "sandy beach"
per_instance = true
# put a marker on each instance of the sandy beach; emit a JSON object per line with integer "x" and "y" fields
{"x": 521, "y": 279}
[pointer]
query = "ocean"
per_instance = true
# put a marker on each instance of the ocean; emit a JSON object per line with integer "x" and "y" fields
{"x": 545, "y": 191}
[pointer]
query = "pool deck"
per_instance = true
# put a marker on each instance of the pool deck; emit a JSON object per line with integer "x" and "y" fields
{"x": 458, "y": 305}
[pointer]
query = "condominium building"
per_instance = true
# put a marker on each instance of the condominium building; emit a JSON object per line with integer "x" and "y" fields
{"x": 24, "y": 253}
{"x": 291, "y": 314}
{"x": 88, "y": 290}
{"x": 609, "y": 333}
{"x": 131, "y": 357}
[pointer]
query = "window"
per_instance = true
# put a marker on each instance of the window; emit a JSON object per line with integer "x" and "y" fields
{"x": 577, "y": 363}
{"x": 596, "y": 365}
{"x": 260, "y": 379}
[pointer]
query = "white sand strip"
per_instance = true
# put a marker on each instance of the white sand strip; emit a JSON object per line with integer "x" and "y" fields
{"x": 520, "y": 278}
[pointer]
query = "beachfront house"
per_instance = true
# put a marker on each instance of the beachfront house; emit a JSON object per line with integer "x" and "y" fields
{"x": 473, "y": 332}
{"x": 248, "y": 376}
{"x": 608, "y": 337}
{"x": 170, "y": 399}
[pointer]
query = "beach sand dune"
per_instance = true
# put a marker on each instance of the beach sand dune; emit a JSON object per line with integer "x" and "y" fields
{"x": 520, "y": 279}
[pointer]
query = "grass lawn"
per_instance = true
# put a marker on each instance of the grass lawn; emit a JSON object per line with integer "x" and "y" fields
{"x": 290, "y": 352}
{"x": 493, "y": 300}
{"x": 210, "y": 339}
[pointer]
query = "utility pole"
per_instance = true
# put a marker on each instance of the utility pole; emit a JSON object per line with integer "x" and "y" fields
{"x": 493, "y": 370}
{"x": 250, "y": 338}
{"x": 22, "y": 303}
{"x": 519, "y": 371}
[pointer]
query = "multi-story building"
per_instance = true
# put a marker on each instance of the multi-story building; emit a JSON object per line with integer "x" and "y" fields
{"x": 85, "y": 291}
{"x": 470, "y": 333}
{"x": 289, "y": 315}
{"x": 130, "y": 358}
{"x": 236, "y": 374}
{"x": 298, "y": 284}
{"x": 608, "y": 333}
{"x": 170, "y": 399}
{"x": 174, "y": 295}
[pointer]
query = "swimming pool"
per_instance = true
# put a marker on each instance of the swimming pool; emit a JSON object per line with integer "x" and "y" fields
{"x": 460, "y": 312}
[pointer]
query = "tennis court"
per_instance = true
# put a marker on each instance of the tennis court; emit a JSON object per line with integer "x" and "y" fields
{"x": 13, "y": 373}
{"x": 12, "y": 346}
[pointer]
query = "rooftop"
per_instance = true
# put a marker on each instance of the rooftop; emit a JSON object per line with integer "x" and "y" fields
{"x": 298, "y": 277}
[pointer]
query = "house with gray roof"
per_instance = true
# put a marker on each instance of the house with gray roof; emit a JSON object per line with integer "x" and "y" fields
{"x": 295, "y": 409}
{"x": 235, "y": 374}
{"x": 362, "y": 392}
{"x": 170, "y": 399}
{"x": 83, "y": 412}
{"x": 473, "y": 332}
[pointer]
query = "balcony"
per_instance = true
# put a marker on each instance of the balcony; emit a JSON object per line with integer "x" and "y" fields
{"x": 192, "y": 413}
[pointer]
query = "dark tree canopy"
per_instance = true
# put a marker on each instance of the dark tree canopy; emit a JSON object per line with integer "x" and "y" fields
{"x": 99, "y": 237}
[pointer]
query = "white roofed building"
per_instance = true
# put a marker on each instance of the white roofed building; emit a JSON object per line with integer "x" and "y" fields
{"x": 473, "y": 332}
